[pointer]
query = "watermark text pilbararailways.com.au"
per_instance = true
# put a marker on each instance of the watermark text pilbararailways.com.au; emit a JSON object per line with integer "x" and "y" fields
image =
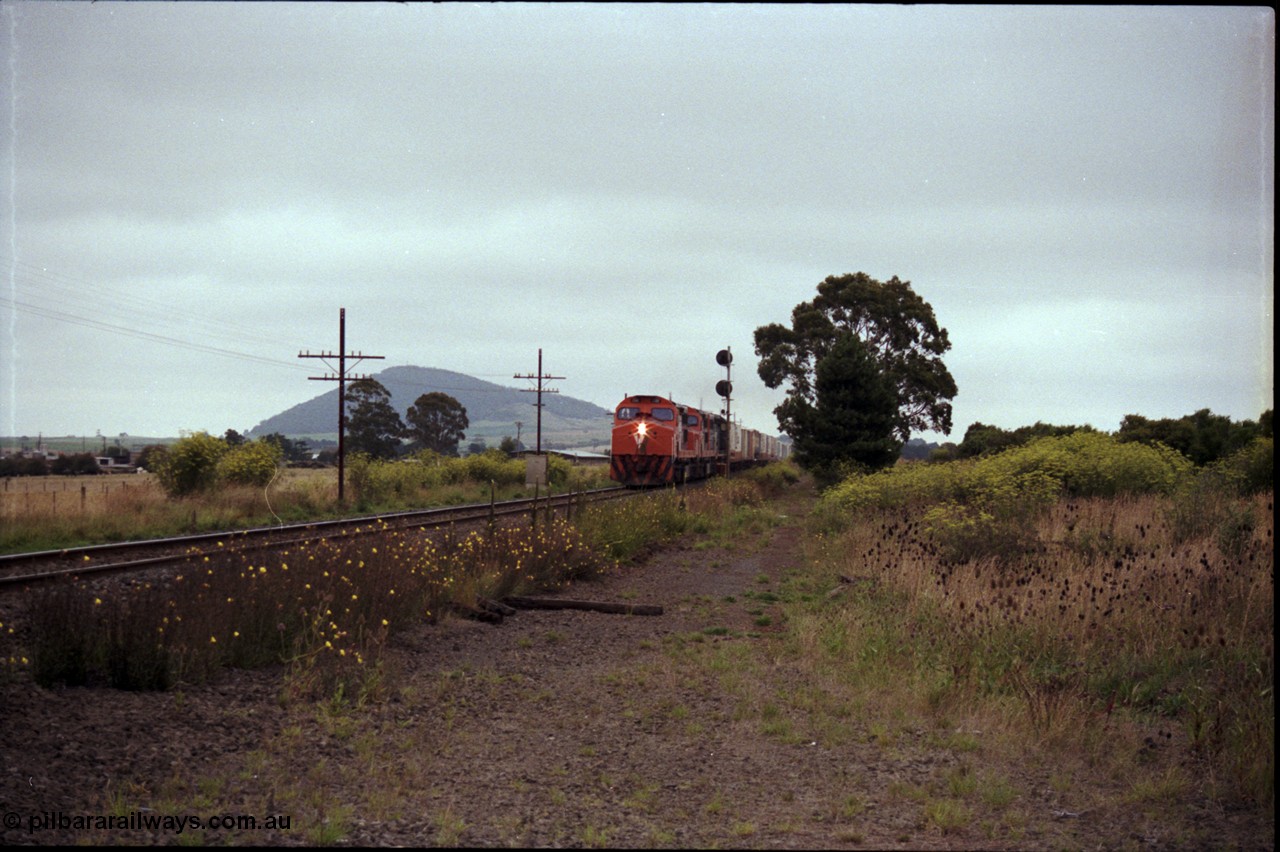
{"x": 142, "y": 820}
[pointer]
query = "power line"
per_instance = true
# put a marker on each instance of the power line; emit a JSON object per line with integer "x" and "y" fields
{"x": 139, "y": 334}
{"x": 37, "y": 285}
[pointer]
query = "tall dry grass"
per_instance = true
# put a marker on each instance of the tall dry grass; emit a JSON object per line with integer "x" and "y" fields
{"x": 52, "y": 513}
{"x": 1116, "y": 616}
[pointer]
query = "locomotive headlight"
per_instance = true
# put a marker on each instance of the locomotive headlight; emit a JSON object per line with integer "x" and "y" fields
{"x": 642, "y": 433}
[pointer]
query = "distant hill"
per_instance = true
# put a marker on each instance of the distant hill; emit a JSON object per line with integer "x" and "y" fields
{"x": 917, "y": 449}
{"x": 492, "y": 410}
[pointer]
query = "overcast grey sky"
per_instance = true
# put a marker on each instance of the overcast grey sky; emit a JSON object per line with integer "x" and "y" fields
{"x": 1085, "y": 195}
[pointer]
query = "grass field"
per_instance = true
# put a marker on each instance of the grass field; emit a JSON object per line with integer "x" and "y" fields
{"x": 32, "y": 497}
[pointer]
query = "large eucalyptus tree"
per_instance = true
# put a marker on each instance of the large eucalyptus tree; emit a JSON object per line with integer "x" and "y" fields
{"x": 897, "y": 327}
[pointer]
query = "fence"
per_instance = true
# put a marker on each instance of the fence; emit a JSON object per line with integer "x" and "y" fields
{"x": 31, "y": 497}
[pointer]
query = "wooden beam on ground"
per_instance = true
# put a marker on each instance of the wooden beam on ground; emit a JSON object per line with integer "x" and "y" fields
{"x": 477, "y": 614}
{"x": 520, "y": 602}
{"x": 495, "y": 606}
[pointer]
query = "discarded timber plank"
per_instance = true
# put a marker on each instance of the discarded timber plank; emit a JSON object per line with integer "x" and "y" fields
{"x": 499, "y": 607}
{"x": 520, "y": 602}
{"x": 477, "y": 614}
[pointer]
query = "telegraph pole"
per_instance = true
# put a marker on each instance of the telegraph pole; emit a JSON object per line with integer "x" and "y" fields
{"x": 340, "y": 376}
{"x": 539, "y": 377}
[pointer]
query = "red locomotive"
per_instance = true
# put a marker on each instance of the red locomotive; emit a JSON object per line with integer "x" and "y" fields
{"x": 659, "y": 442}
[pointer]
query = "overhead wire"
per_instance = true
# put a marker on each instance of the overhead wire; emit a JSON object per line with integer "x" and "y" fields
{"x": 89, "y": 322}
{"x": 40, "y": 286}
{"x": 39, "y": 282}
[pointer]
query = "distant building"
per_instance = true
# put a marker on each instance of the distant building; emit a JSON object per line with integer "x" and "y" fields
{"x": 112, "y": 464}
{"x": 575, "y": 456}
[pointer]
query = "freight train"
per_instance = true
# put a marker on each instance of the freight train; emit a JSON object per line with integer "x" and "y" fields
{"x": 660, "y": 442}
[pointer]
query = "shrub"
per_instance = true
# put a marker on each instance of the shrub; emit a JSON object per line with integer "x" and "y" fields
{"x": 191, "y": 464}
{"x": 150, "y": 456}
{"x": 558, "y": 470}
{"x": 774, "y": 478}
{"x": 622, "y": 530}
{"x": 1091, "y": 464}
{"x": 905, "y": 486}
{"x": 371, "y": 483}
{"x": 22, "y": 466}
{"x": 999, "y": 519}
{"x": 80, "y": 463}
{"x": 1201, "y": 504}
{"x": 491, "y": 466}
{"x": 1085, "y": 464}
{"x": 1251, "y": 469}
{"x": 254, "y": 463}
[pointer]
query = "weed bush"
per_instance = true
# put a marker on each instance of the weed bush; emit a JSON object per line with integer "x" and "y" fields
{"x": 1092, "y": 464}
{"x": 998, "y": 519}
{"x": 1084, "y": 464}
{"x": 989, "y": 506}
{"x": 1250, "y": 470}
{"x": 491, "y": 466}
{"x": 253, "y": 463}
{"x": 624, "y": 530}
{"x": 379, "y": 484}
{"x": 773, "y": 478}
{"x": 1203, "y": 504}
{"x": 191, "y": 464}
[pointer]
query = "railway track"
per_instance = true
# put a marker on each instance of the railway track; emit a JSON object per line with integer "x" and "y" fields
{"x": 25, "y": 570}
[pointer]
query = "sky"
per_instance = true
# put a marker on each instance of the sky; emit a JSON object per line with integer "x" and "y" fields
{"x": 192, "y": 192}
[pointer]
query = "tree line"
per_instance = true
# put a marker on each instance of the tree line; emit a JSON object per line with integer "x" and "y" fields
{"x": 862, "y": 362}
{"x": 1203, "y": 437}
